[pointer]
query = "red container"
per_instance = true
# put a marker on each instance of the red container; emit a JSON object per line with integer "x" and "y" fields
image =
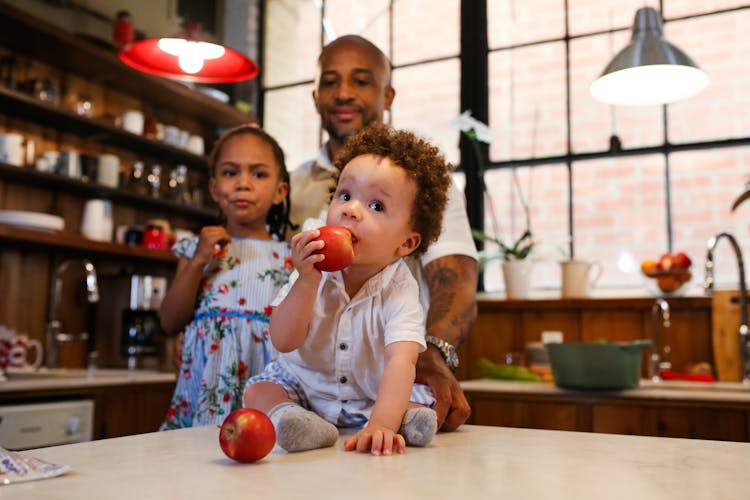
{"x": 155, "y": 238}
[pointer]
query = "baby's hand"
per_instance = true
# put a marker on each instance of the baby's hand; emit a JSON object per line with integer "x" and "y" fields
{"x": 378, "y": 439}
{"x": 212, "y": 243}
{"x": 304, "y": 256}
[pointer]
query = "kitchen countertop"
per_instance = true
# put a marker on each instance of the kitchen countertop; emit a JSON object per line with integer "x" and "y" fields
{"x": 734, "y": 392}
{"x": 474, "y": 462}
{"x": 72, "y": 379}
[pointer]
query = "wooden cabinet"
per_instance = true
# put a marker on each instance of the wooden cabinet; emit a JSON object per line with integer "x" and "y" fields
{"x": 119, "y": 410}
{"x": 610, "y": 413}
{"x": 44, "y": 52}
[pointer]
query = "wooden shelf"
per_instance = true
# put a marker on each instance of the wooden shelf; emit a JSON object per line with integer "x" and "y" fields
{"x": 489, "y": 302}
{"x": 92, "y": 190}
{"x": 28, "y": 35}
{"x": 71, "y": 242}
{"x": 28, "y": 108}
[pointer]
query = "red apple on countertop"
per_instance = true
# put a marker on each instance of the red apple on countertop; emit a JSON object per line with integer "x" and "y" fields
{"x": 247, "y": 435}
{"x": 338, "y": 249}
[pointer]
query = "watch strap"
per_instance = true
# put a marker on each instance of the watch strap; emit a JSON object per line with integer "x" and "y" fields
{"x": 446, "y": 350}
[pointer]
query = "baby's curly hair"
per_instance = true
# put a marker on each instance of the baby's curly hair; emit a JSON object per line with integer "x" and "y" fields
{"x": 422, "y": 161}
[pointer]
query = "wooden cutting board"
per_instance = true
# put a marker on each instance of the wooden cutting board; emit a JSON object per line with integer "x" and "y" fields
{"x": 725, "y": 323}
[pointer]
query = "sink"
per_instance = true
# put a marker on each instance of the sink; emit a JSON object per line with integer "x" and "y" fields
{"x": 684, "y": 385}
{"x": 64, "y": 373}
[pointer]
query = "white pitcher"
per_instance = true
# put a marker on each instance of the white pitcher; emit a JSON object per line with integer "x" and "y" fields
{"x": 579, "y": 277}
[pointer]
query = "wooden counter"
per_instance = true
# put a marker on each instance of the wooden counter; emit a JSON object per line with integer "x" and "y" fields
{"x": 125, "y": 402}
{"x": 718, "y": 411}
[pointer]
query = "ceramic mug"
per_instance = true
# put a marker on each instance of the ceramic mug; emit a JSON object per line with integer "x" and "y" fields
{"x": 579, "y": 277}
{"x": 108, "y": 170}
{"x": 155, "y": 237}
{"x": 12, "y": 149}
{"x": 133, "y": 121}
{"x": 96, "y": 223}
{"x": 14, "y": 352}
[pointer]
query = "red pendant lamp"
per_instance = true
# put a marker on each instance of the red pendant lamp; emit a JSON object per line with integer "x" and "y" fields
{"x": 188, "y": 56}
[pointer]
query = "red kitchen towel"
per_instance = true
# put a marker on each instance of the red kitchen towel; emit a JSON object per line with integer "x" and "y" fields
{"x": 697, "y": 377}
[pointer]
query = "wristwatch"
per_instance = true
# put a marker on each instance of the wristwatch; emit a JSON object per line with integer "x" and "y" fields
{"x": 448, "y": 351}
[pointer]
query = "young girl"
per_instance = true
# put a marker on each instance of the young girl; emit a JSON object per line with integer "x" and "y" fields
{"x": 226, "y": 278}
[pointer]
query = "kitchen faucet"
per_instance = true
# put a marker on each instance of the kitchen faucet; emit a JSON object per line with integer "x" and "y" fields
{"x": 660, "y": 306}
{"x": 708, "y": 286}
{"x": 54, "y": 336}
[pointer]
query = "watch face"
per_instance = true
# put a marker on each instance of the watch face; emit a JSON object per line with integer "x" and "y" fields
{"x": 452, "y": 360}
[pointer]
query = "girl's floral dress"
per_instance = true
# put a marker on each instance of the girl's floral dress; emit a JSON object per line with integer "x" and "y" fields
{"x": 227, "y": 340}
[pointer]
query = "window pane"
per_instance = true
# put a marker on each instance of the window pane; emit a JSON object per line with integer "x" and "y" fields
{"x": 592, "y": 122}
{"x": 718, "y": 44}
{"x": 545, "y": 189}
{"x": 619, "y": 207}
{"x": 590, "y": 16}
{"x": 510, "y": 22}
{"x": 678, "y": 8}
{"x": 290, "y": 117}
{"x": 528, "y": 117}
{"x": 427, "y": 98}
{"x": 292, "y": 41}
{"x": 704, "y": 186}
{"x": 367, "y": 19}
{"x": 425, "y": 29}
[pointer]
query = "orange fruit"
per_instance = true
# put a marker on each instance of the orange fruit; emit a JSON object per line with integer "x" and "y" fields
{"x": 649, "y": 267}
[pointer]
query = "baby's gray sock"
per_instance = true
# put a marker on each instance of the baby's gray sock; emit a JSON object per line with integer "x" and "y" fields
{"x": 419, "y": 426}
{"x": 298, "y": 429}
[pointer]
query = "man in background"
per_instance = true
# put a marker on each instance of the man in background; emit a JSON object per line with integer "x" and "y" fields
{"x": 352, "y": 90}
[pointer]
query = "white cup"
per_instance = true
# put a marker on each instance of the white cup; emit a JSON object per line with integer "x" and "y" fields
{"x": 195, "y": 145}
{"x": 133, "y": 121}
{"x": 96, "y": 223}
{"x": 108, "y": 170}
{"x": 18, "y": 352}
{"x": 172, "y": 135}
{"x": 12, "y": 150}
{"x": 69, "y": 164}
{"x": 579, "y": 277}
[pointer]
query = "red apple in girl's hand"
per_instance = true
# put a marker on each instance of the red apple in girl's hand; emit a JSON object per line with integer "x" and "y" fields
{"x": 338, "y": 249}
{"x": 247, "y": 435}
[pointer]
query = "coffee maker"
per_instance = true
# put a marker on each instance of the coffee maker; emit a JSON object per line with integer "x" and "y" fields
{"x": 141, "y": 331}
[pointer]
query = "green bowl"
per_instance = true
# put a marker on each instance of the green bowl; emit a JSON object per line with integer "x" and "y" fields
{"x": 597, "y": 365}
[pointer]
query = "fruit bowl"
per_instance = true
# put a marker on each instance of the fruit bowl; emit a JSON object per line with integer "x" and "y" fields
{"x": 669, "y": 276}
{"x": 674, "y": 283}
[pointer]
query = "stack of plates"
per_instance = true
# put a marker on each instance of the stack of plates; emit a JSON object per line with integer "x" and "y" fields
{"x": 32, "y": 220}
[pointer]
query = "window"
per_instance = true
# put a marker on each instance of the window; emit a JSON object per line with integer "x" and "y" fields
{"x": 682, "y": 166}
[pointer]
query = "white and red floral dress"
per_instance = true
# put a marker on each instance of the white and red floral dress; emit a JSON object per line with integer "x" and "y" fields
{"x": 227, "y": 340}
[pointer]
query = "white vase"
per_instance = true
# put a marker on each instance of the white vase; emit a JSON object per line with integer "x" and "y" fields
{"x": 517, "y": 277}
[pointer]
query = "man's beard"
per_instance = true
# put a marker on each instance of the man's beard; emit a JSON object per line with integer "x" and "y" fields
{"x": 341, "y": 135}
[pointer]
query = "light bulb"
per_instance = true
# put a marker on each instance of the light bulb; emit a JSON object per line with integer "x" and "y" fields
{"x": 190, "y": 62}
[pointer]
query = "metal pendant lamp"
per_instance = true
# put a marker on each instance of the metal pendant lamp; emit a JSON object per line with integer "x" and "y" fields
{"x": 649, "y": 70}
{"x": 189, "y": 56}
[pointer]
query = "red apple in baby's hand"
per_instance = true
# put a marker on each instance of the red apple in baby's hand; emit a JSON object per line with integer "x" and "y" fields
{"x": 338, "y": 249}
{"x": 247, "y": 435}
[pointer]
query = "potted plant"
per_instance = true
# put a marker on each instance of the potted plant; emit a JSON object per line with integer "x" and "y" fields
{"x": 516, "y": 265}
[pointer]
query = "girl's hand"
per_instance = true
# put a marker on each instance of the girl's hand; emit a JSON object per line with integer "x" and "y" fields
{"x": 304, "y": 257}
{"x": 209, "y": 238}
{"x": 378, "y": 439}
